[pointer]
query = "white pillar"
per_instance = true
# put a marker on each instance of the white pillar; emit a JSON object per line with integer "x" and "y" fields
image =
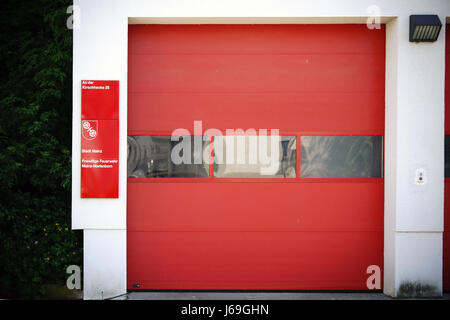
{"x": 415, "y": 74}
{"x": 104, "y": 264}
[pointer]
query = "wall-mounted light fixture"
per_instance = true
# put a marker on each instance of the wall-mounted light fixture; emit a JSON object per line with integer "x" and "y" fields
{"x": 424, "y": 27}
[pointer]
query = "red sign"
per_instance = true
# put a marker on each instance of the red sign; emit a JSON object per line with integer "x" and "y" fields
{"x": 99, "y": 99}
{"x": 99, "y": 139}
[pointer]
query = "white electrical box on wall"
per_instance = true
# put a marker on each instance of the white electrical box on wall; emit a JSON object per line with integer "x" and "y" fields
{"x": 420, "y": 177}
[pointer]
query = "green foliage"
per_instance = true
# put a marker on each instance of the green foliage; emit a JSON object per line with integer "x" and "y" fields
{"x": 36, "y": 243}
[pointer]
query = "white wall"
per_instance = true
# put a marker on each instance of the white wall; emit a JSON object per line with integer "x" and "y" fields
{"x": 100, "y": 52}
{"x": 414, "y": 117}
{"x": 415, "y": 79}
{"x": 104, "y": 270}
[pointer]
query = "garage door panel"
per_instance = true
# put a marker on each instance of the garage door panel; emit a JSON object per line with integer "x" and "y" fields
{"x": 447, "y": 205}
{"x": 339, "y": 112}
{"x": 447, "y": 110}
{"x": 259, "y": 39}
{"x": 446, "y": 234}
{"x": 250, "y": 73}
{"x": 285, "y": 233}
{"x": 261, "y": 206}
{"x": 238, "y": 260}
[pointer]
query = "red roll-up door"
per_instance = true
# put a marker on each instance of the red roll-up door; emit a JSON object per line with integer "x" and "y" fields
{"x": 310, "y": 229}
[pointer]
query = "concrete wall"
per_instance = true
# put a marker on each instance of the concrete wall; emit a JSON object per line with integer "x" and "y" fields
{"x": 414, "y": 123}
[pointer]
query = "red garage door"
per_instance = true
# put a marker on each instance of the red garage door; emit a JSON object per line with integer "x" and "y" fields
{"x": 446, "y": 282}
{"x": 310, "y": 219}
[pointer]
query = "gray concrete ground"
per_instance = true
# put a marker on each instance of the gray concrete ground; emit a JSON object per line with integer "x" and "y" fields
{"x": 257, "y": 296}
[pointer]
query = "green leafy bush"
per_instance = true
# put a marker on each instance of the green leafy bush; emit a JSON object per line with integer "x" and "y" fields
{"x": 36, "y": 242}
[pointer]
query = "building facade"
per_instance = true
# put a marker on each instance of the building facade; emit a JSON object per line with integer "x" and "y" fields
{"x": 357, "y": 110}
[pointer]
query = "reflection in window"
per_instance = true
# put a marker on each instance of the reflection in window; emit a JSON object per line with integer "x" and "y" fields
{"x": 254, "y": 156}
{"x": 151, "y": 157}
{"x": 341, "y": 156}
